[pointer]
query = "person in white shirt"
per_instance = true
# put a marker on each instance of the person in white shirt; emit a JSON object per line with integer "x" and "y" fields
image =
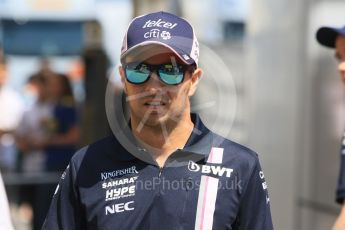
{"x": 33, "y": 128}
{"x": 11, "y": 108}
{"x": 5, "y": 220}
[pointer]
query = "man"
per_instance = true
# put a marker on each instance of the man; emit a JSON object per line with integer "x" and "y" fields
{"x": 335, "y": 38}
{"x": 179, "y": 175}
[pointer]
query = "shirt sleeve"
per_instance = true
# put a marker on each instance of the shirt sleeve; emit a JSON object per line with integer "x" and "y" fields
{"x": 254, "y": 213}
{"x": 65, "y": 211}
{"x": 340, "y": 193}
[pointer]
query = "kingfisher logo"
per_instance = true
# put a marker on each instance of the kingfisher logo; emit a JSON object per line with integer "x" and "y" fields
{"x": 209, "y": 169}
{"x": 119, "y": 172}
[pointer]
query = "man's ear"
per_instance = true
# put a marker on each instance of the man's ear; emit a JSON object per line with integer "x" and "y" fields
{"x": 123, "y": 78}
{"x": 196, "y": 75}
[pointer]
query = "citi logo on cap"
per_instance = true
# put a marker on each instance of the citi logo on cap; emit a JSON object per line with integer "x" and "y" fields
{"x": 159, "y": 23}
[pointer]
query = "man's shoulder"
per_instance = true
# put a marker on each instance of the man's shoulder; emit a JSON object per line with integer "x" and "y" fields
{"x": 97, "y": 151}
{"x": 233, "y": 151}
{"x": 230, "y": 149}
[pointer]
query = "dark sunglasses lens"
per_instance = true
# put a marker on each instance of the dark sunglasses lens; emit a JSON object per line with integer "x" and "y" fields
{"x": 171, "y": 74}
{"x": 137, "y": 73}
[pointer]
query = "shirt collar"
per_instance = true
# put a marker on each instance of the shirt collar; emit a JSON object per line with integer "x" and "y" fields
{"x": 198, "y": 146}
{"x": 200, "y": 140}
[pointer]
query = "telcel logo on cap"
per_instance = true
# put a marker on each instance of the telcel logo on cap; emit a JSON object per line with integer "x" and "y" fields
{"x": 159, "y": 23}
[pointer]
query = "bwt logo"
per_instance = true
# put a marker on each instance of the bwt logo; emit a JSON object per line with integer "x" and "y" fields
{"x": 156, "y": 33}
{"x": 209, "y": 169}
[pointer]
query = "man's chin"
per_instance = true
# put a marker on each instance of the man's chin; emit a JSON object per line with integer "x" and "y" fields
{"x": 157, "y": 120}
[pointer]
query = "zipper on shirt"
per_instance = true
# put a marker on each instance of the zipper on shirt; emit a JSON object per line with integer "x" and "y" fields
{"x": 160, "y": 178}
{"x": 160, "y": 172}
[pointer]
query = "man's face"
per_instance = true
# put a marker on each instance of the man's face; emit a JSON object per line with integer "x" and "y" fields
{"x": 340, "y": 55}
{"x": 153, "y": 102}
{"x": 40, "y": 89}
{"x": 3, "y": 74}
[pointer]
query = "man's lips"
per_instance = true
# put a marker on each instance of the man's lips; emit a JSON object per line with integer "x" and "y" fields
{"x": 155, "y": 106}
{"x": 154, "y": 103}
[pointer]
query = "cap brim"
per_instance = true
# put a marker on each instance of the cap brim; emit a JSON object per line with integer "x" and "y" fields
{"x": 149, "y": 49}
{"x": 327, "y": 35}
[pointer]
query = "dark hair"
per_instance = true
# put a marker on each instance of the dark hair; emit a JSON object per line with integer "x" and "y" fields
{"x": 38, "y": 77}
{"x": 191, "y": 68}
{"x": 66, "y": 85}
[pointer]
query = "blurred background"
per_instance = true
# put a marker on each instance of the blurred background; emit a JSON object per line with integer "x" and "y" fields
{"x": 289, "y": 100}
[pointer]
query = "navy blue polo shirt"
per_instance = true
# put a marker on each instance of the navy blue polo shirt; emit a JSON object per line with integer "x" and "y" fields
{"x": 340, "y": 194}
{"x": 212, "y": 183}
{"x": 58, "y": 156}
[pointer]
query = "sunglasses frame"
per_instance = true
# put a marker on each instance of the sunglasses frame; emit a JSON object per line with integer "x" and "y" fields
{"x": 155, "y": 68}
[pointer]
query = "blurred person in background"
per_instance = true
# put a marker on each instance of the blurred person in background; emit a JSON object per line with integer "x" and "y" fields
{"x": 33, "y": 126}
{"x": 11, "y": 111}
{"x": 32, "y": 130}
{"x": 64, "y": 132}
{"x": 5, "y": 218}
{"x": 63, "y": 135}
{"x": 335, "y": 38}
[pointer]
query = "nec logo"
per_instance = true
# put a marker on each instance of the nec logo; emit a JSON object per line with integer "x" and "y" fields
{"x": 117, "y": 208}
{"x": 209, "y": 169}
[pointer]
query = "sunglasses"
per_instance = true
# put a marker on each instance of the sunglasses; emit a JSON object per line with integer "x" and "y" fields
{"x": 170, "y": 74}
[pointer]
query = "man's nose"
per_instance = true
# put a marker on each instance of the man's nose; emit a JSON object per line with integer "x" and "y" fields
{"x": 154, "y": 84}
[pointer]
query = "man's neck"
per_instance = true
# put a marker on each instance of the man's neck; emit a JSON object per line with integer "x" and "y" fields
{"x": 162, "y": 140}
